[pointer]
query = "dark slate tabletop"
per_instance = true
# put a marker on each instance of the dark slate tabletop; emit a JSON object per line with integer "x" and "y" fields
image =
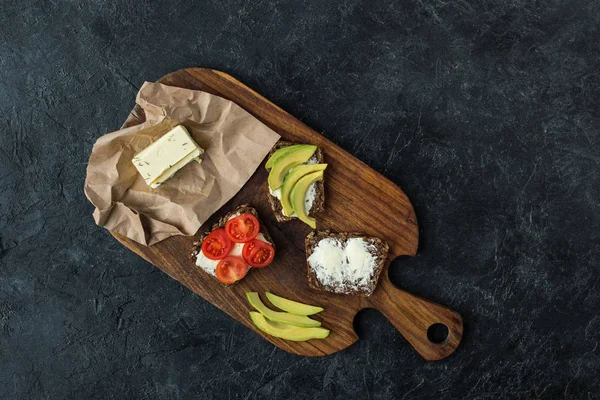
{"x": 486, "y": 113}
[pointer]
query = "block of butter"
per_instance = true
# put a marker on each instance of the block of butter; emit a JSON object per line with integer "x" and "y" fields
{"x": 163, "y": 158}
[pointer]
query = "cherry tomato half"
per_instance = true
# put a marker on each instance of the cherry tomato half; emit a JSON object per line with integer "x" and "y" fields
{"x": 216, "y": 245}
{"x": 242, "y": 228}
{"x": 231, "y": 269}
{"x": 258, "y": 254}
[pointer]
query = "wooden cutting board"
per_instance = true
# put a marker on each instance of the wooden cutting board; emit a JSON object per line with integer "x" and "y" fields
{"x": 358, "y": 199}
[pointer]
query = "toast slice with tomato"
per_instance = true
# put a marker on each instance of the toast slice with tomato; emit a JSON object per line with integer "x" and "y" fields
{"x": 199, "y": 255}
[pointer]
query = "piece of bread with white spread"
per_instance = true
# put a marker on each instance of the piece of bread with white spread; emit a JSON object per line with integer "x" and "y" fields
{"x": 344, "y": 263}
{"x": 315, "y": 196}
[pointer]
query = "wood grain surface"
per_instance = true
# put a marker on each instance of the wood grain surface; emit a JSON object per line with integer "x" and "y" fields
{"x": 357, "y": 199}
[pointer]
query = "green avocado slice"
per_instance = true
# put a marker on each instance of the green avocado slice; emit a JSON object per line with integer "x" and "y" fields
{"x": 279, "y": 152}
{"x": 286, "y": 331}
{"x": 299, "y": 192}
{"x": 278, "y": 316}
{"x": 287, "y": 161}
{"x": 293, "y": 307}
{"x": 290, "y": 180}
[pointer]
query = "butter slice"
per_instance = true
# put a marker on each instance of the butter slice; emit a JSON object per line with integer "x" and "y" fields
{"x": 163, "y": 158}
{"x": 171, "y": 171}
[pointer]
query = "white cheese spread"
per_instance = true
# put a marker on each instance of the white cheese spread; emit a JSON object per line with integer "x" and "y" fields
{"x": 276, "y": 193}
{"x": 312, "y": 160}
{"x": 309, "y": 197}
{"x": 341, "y": 266}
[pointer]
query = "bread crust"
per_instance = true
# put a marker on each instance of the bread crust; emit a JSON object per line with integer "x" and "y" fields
{"x": 381, "y": 252}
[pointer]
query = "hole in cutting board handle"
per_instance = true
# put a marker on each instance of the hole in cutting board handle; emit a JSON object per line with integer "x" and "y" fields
{"x": 437, "y": 333}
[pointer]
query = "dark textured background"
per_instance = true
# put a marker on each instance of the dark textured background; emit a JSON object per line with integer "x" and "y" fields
{"x": 485, "y": 112}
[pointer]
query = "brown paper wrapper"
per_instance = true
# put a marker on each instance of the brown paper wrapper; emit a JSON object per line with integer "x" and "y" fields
{"x": 235, "y": 144}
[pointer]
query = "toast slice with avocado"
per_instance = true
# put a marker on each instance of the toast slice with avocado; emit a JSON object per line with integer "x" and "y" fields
{"x": 344, "y": 263}
{"x": 314, "y": 197}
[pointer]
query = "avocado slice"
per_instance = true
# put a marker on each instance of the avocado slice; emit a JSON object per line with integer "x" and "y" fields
{"x": 290, "y": 180}
{"x": 299, "y": 192}
{"x": 278, "y": 316}
{"x": 278, "y": 153}
{"x": 286, "y": 161}
{"x": 291, "y": 306}
{"x": 286, "y": 331}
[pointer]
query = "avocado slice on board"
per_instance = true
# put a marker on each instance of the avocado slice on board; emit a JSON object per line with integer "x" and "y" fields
{"x": 278, "y": 316}
{"x": 286, "y": 331}
{"x": 293, "y": 307}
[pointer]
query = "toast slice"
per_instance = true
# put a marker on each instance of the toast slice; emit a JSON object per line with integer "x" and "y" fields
{"x": 347, "y": 279}
{"x": 319, "y": 203}
{"x": 243, "y": 209}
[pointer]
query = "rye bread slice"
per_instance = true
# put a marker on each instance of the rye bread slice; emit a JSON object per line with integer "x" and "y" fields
{"x": 318, "y": 204}
{"x": 243, "y": 209}
{"x": 379, "y": 250}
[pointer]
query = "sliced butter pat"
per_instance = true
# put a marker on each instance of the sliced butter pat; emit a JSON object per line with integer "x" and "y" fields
{"x": 194, "y": 155}
{"x": 163, "y": 158}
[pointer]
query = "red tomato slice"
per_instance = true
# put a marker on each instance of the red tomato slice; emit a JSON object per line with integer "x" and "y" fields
{"x": 242, "y": 228}
{"x": 258, "y": 254}
{"x": 231, "y": 269}
{"x": 216, "y": 245}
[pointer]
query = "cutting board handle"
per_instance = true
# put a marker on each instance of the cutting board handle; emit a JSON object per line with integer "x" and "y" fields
{"x": 413, "y": 316}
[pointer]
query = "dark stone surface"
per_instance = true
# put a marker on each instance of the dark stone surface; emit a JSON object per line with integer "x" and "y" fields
{"x": 485, "y": 112}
